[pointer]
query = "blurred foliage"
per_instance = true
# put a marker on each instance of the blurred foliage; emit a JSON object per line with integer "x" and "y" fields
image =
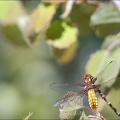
{"x": 42, "y": 42}
{"x": 106, "y": 19}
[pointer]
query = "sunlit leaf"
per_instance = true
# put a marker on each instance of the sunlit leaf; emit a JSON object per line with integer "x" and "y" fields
{"x": 94, "y": 61}
{"x": 61, "y": 35}
{"x": 106, "y": 19}
{"x": 39, "y": 20}
{"x": 99, "y": 60}
{"x": 10, "y": 11}
{"x": 109, "y": 40}
{"x": 41, "y": 17}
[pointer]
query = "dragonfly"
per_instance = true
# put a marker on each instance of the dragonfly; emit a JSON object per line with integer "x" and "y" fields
{"x": 90, "y": 88}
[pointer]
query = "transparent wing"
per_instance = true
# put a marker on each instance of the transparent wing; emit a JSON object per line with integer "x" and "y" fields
{"x": 108, "y": 80}
{"x": 58, "y": 102}
{"x": 109, "y": 73}
{"x": 66, "y": 87}
{"x": 68, "y": 98}
{"x": 106, "y": 86}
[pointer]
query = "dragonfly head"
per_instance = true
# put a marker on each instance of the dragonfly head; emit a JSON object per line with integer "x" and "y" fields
{"x": 88, "y": 78}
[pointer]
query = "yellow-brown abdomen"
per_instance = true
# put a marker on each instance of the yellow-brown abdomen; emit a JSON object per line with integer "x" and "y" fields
{"x": 92, "y": 99}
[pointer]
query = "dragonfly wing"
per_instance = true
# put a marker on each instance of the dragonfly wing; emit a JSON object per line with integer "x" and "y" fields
{"x": 106, "y": 85}
{"x": 58, "y": 102}
{"x": 109, "y": 73}
{"x": 65, "y": 87}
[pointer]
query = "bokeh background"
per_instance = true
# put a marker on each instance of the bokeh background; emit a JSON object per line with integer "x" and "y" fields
{"x": 45, "y": 42}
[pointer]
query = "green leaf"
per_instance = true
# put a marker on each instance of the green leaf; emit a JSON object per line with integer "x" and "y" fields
{"x": 94, "y": 61}
{"x": 80, "y": 17}
{"x": 63, "y": 39}
{"x": 38, "y": 22}
{"x": 106, "y": 19}
{"x": 61, "y": 35}
{"x": 110, "y": 39}
{"x": 65, "y": 55}
{"x": 99, "y": 60}
{"x": 71, "y": 107}
{"x": 40, "y": 18}
{"x": 13, "y": 34}
{"x": 10, "y": 11}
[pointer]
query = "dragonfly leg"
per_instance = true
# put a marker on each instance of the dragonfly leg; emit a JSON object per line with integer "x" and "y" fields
{"x": 82, "y": 85}
{"x": 109, "y": 103}
{"x": 96, "y": 88}
{"x": 94, "y": 80}
{"x": 83, "y": 92}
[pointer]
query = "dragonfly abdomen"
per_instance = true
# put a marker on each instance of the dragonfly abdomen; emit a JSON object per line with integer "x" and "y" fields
{"x": 92, "y": 99}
